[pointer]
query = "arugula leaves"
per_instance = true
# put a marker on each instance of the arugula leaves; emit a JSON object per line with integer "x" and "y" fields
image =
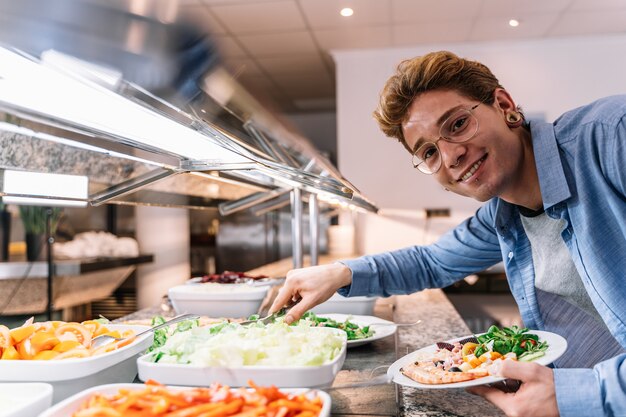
{"x": 353, "y": 330}
{"x": 525, "y": 345}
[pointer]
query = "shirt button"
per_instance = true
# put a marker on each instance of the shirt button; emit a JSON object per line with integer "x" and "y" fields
{"x": 510, "y": 255}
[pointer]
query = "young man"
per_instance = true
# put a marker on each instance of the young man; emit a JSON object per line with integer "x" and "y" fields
{"x": 555, "y": 213}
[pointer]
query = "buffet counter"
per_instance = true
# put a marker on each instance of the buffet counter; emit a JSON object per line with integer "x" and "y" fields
{"x": 440, "y": 321}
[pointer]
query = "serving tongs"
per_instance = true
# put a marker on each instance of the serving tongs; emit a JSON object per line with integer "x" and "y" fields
{"x": 270, "y": 318}
{"x": 105, "y": 339}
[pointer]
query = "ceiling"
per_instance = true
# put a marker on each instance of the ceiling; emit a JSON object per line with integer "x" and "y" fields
{"x": 280, "y": 48}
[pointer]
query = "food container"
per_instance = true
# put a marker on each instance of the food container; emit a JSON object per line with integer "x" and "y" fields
{"x": 24, "y": 399}
{"x": 218, "y": 300}
{"x": 363, "y": 306}
{"x": 237, "y": 376}
{"x": 71, "y": 405}
{"x": 69, "y": 376}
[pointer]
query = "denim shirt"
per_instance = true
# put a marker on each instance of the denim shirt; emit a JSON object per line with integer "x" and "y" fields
{"x": 581, "y": 163}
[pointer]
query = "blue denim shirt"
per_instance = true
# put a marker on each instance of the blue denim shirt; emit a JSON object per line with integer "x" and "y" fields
{"x": 581, "y": 162}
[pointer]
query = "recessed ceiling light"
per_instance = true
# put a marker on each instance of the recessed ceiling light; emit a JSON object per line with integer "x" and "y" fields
{"x": 346, "y": 12}
{"x": 514, "y": 23}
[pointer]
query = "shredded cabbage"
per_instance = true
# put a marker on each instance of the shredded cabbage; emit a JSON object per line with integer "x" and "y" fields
{"x": 233, "y": 345}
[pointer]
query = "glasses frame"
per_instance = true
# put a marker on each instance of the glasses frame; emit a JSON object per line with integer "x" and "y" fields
{"x": 421, "y": 166}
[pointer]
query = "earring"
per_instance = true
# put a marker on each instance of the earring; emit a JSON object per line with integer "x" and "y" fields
{"x": 513, "y": 117}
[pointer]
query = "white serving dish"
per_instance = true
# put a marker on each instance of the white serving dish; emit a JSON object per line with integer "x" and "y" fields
{"x": 363, "y": 306}
{"x": 26, "y": 399}
{"x": 69, "y": 376}
{"x": 70, "y": 405}
{"x": 282, "y": 377}
{"x": 218, "y": 300}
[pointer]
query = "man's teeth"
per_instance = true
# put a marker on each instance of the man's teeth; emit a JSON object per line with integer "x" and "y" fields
{"x": 471, "y": 171}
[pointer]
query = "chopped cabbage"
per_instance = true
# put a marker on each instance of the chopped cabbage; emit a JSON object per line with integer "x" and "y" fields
{"x": 233, "y": 345}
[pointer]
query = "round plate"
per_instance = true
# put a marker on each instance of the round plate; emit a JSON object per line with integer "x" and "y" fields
{"x": 388, "y": 329}
{"x": 556, "y": 347}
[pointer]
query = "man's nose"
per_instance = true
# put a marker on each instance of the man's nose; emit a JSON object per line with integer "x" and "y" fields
{"x": 451, "y": 153}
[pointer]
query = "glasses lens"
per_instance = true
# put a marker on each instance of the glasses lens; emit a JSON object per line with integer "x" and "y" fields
{"x": 460, "y": 126}
{"x": 427, "y": 158}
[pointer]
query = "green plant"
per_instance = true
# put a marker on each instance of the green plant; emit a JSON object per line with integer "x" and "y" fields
{"x": 34, "y": 219}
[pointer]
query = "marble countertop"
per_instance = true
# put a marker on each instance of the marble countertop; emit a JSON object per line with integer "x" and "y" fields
{"x": 440, "y": 321}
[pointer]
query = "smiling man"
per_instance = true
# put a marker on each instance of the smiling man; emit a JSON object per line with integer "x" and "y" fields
{"x": 554, "y": 212}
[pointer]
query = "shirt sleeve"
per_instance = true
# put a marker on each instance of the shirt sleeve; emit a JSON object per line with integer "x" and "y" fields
{"x": 469, "y": 248}
{"x": 600, "y": 391}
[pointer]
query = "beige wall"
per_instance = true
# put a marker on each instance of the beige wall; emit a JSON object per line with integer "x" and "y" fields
{"x": 545, "y": 77}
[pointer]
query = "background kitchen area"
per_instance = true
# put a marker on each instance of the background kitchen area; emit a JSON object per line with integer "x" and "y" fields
{"x": 181, "y": 138}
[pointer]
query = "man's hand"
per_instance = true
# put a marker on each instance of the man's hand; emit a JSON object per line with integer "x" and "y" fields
{"x": 311, "y": 286}
{"x": 536, "y": 396}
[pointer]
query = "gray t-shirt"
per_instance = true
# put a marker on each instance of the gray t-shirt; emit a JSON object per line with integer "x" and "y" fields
{"x": 554, "y": 269}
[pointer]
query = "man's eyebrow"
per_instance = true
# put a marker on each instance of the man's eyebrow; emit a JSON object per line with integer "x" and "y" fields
{"x": 440, "y": 120}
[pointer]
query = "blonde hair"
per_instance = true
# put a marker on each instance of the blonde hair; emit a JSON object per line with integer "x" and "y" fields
{"x": 441, "y": 70}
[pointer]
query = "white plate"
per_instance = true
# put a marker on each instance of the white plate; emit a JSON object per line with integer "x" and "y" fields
{"x": 70, "y": 405}
{"x": 26, "y": 399}
{"x": 388, "y": 329}
{"x": 556, "y": 347}
{"x": 346, "y": 305}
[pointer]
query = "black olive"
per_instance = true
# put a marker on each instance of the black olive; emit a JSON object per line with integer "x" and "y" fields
{"x": 437, "y": 363}
{"x": 455, "y": 369}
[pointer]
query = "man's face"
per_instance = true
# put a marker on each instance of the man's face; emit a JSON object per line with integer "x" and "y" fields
{"x": 490, "y": 164}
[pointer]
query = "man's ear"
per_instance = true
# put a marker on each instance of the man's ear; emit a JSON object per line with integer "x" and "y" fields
{"x": 504, "y": 101}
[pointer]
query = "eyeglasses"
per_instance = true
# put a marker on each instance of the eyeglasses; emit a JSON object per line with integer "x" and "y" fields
{"x": 460, "y": 127}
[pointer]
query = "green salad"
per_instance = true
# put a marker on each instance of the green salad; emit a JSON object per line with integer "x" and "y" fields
{"x": 353, "y": 330}
{"x": 525, "y": 345}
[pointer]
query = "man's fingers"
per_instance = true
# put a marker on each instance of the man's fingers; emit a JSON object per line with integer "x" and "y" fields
{"x": 522, "y": 371}
{"x": 493, "y": 395}
{"x": 297, "y": 311}
{"x": 283, "y": 297}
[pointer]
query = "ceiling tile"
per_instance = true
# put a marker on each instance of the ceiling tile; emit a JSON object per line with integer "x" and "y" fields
{"x": 578, "y": 5}
{"x": 228, "y": 47}
{"x": 588, "y": 22}
{"x": 265, "y": 17}
{"x": 497, "y": 28}
{"x": 279, "y": 43}
{"x": 361, "y": 37}
{"x": 514, "y": 9}
{"x": 405, "y": 11}
{"x": 240, "y": 66}
{"x": 302, "y": 64}
{"x": 306, "y": 87}
{"x": 431, "y": 32}
{"x": 325, "y": 13}
{"x": 201, "y": 17}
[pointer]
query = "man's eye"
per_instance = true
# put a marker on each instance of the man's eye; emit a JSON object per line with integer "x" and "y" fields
{"x": 427, "y": 152}
{"x": 458, "y": 125}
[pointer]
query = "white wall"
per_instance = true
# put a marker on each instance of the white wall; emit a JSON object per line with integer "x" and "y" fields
{"x": 544, "y": 77}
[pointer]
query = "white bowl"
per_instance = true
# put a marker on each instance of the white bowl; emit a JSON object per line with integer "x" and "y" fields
{"x": 26, "y": 399}
{"x": 71, "y": 405}
{"x": 69, "y": 376}
{"x": 363, "y": 306}
{"x": 217, "y": 300}
{"x": 238, "y": 376}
